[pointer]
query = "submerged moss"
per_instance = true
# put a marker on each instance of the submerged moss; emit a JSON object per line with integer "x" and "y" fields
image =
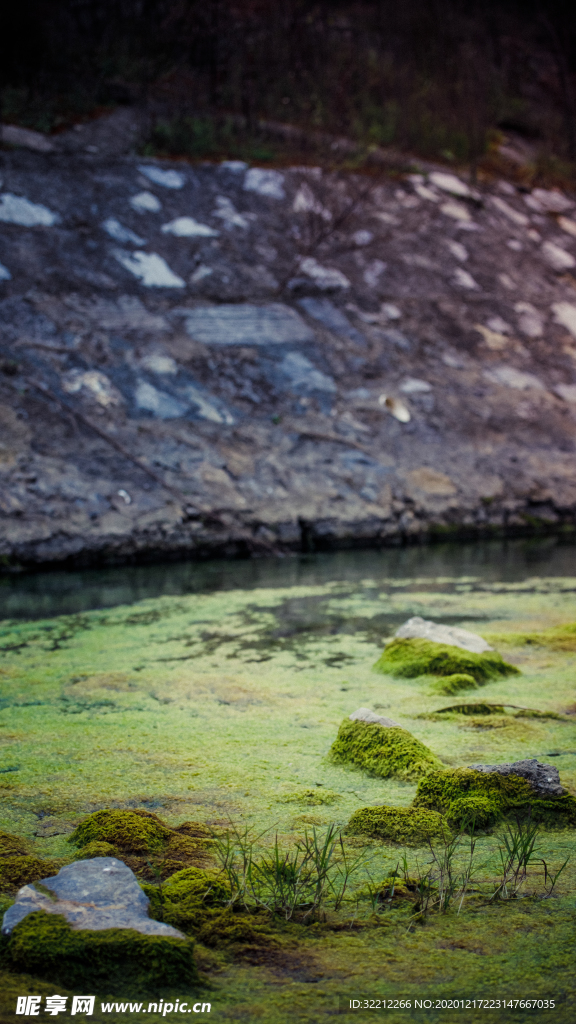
{"x": 454, "y": 683}
{"x": 410, "y": 658}
{"x": 18, "y": 871}
{"x": 113, "y": 960}
{"x": 406, "y": 825}
{"x": 383, "y": 751}
{"x": 134, "y": 831}
{"x": 464, "y": 795}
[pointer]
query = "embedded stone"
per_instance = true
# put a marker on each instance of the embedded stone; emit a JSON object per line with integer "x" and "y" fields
{"x": 274, "y": 324}
{"x": 371, "y": 718}
{"x": 426, "y": 629}
{"x": 544, "y": 778}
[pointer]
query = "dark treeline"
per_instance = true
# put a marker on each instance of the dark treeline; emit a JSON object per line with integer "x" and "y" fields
{"x": 437, "y": 76}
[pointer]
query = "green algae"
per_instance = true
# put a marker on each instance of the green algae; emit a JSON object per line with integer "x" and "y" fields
{"x": 382, "y": 751}
{"x": 112, "y": 960}
{"x": 404, "y": 825}
{"x": 407, "y": 659}
{"x": 466, "y": 796}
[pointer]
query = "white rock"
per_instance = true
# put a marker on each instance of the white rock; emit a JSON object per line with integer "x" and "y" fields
{"x": 552, "y": 200}
{"x": 187, "y": 227}
{"x": 464, "y": 279}
{"x": 495, "y": 340}
{"x": 227, "y": 212}
{"x": 567, "y": 392}
{"x": 15, "y": 136}
{"x": 365, "y": 715}
{"x": 426, "y": 193}
{"x": 424, "y": 629}
{"x": 119, "y": 233}
{"x": 458, "y": 250}
{"x": 362, "y": 237}
{"x": 510, "y": 377}
{"x": 514, "y": 244}
{"x": 327, "y": 278}
{"x": 5, "y": 274}
{"x": 449, "y": 183}
{"x": 162, "y": 405}
{"x": 373, "y": 273}
{"x": 557, "y": 258}
{"x": 509, "y": 211}
{"x": 565, "y": 314}
{"x": 455, "y": 210}
{"x": 206, "y": 409}
{"x": 567, "y": 225}
{"x": 151, "y": 268}
{"x": 534, "y": 235}
{"x": 18, "y": 210}
{"x": 158, "y": 363}
{"x": 145, "y": 202}
{"x": 390, "y": 311}
{"x": 98, "y": 384}
{"x": 396, "y": 407}
{"x": 305, "y": 202}
{"x": 530, "y": 320}
{"x": 414, "y": 386}
{"x": 168, "y": 179}
{"x": 265, "y": 183}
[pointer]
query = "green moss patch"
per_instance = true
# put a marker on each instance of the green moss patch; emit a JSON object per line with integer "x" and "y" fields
{"x": 383, "y": 751}
{"x": 464, "y": 795}
{"x": 406, "y": 659}
{"x": 11, "y": 845}
{"x": 133, "y": 831}
{"x": 558, "y": 638}
{"x": 18, "y": 871}
{"x": 454, "y": 683}
{"x": 115, "y": 960}
{"x": 405, "y": 825}
{"x": 96, "y": 849}
{"x": 184, "y": 898}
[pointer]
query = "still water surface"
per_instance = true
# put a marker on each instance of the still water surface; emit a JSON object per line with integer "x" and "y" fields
{"x": 46, "y": 594}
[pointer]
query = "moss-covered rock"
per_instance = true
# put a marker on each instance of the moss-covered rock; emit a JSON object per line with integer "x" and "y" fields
{"x": 114, "y": 960}
{"x": 408, "y": 826}
{"x": 21, "y": 870}
{"x": 464, "y": 796}
{"x": 183, "y": 899}
{"x": 134, "y": 831}
{"x": 453, "y": 684}
{"x": 410, "y": 658}
{"x": 383, "y": 751}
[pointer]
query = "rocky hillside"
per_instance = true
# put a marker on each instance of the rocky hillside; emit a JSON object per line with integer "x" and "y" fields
{"x": 224, "y": 358}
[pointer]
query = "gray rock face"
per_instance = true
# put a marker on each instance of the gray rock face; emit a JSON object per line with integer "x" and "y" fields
{"x": 424, "y": 629}
{"x": 274, "y": 324}
{"x": 544, "y": 778}
{"x": 92, "y": 895}
{"x": 365, "y": 715}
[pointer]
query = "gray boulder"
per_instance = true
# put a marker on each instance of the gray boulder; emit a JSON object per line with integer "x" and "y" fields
{"x": 544, "y": 778}
{"x": 365, "y": 715}
{"x": 92, "y": 895}
{"x": 425, "y": 629}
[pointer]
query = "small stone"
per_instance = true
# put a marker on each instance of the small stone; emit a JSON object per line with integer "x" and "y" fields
{"x": 514, "y": 244}
{"x": 567, "y": 392}
{"x": 145, "y": 202}
{"x": 565, "y": 314}
{"x": 168, "y": 179}
{"x": 544, "y": 778}
{"x": 326, "y": 278}
{"x": 496, "y": 323}
{"x": 326, "y": 313}
{"x": 151, "y": 268}
{"x": 464, "y": 279}
{"x": 18, "y": 210}
{"x": 417, "y": 628}
{"x": 15, "y": 136}
{"x": 305, "y": 202}
{"x": 455, "y": 210}
{"x": 449, "y": 183}
{"x": 200, "y": 273}
{"x": 187, "y": 227}
{"x": 495, "y": 340}
{"x": 119, "y": 233}
{"x": 227, "y": 212}
{"x": 159, "y": 403}
{"x": 398, "y": 409}
{"x": 530, "y": 321}
{"x": 246, "y": 324}
{"x": 373, "y": 273}
{"x": 415, "y": 386}
{"x": 92, "y": 895}
{"x": 304, "y": 375}
{"x": 517, "y": 218}
{"x": 552, "y": 200}
{"x": 362, "y": 237}
{"x": 265, "y": 183}
{"x": 371, "y": 718}
{"x": 567, "y": 225}
{"x": 458, "y": 250}
{"x": 510, "y": 377}
{"x": 506, "y": 282}
{"x": 5, "y": 274}
{"x": 557, "y": 258}
{"x": 96, "y": 383}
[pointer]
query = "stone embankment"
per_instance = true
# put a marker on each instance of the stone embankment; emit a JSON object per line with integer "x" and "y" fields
{"x": 224, "y": 358}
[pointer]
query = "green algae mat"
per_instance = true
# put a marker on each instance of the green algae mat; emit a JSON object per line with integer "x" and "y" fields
{"x": 219, "y": 707}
